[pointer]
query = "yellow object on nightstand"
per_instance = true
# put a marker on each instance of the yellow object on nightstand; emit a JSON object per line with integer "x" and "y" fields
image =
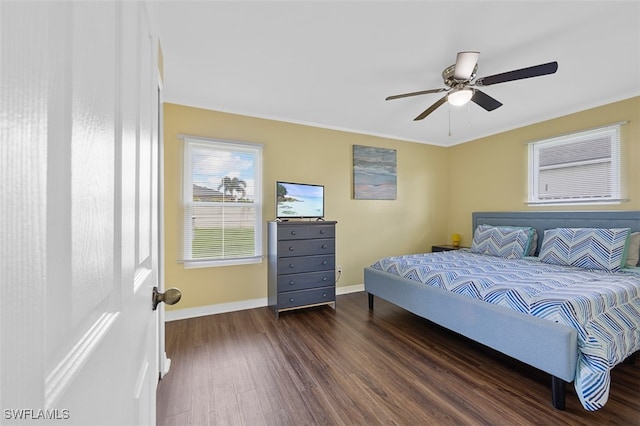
{"x": 455, "y": 240}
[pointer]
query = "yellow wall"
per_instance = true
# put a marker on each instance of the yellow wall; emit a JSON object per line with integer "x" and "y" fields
{"x": 366, "y": 229}
{"x": 438, "y": 188}
{"x": 490, "y": 174}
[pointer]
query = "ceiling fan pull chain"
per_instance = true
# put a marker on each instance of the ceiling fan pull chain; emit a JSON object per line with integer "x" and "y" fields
{"x": 468, "y": 114}
{"x": 449, "y": 120}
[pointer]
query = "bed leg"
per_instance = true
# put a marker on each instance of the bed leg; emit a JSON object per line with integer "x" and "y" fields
{"x": 370, "y": 301}
{"x": 557, "y": 392}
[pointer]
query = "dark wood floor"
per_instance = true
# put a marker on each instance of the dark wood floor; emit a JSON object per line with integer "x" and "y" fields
{"x": 353, "y": 366}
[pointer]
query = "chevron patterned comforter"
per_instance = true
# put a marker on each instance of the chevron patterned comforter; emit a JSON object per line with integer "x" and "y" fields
{"x": 603, "y": 307}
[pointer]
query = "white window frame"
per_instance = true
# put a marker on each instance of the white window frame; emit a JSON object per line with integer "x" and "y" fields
{"x": 188, "y": 204}
{"x": 613, "y": 192}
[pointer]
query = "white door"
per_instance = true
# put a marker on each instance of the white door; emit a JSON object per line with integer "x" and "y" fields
{"x": 78, "y": 236}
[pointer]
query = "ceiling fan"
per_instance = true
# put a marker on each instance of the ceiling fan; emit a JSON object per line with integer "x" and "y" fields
{"x": 462, "y": 88}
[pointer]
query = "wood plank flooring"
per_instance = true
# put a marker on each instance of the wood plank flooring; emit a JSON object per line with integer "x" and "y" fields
{"x": 353, "y": 366}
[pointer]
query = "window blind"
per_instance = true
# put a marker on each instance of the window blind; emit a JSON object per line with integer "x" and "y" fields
{"x": 221, "y": 203}
{"x": 580, "y": 168}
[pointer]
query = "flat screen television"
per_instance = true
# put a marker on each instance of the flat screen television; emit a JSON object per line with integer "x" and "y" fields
{"x": 299, "y": 200}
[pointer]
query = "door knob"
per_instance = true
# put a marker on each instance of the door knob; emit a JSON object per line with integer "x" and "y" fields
{"x": 170, "y": 297}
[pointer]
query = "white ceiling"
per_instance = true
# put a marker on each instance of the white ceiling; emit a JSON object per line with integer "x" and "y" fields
{"x": 332, "y": 63}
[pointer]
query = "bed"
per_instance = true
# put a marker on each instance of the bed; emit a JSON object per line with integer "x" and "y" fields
{"x": 573, "y": 322}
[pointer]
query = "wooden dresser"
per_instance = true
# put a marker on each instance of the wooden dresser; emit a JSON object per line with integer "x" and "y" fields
{"x": 302, "y": 262}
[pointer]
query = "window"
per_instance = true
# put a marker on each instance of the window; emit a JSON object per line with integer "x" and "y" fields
{"x": 222, "y": 203}
{"x": 580, "y": 168}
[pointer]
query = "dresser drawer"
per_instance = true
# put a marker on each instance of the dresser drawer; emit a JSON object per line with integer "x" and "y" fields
{"x": 306, "y": 247}
{"x": 302, "y": 232}
{"x": 293, "y": 299}
{"x": 292, "y": 282}
{"x": 295, "y": 265}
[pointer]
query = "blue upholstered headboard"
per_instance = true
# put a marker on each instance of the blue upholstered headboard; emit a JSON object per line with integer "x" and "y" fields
{"x": 560, "y": 219}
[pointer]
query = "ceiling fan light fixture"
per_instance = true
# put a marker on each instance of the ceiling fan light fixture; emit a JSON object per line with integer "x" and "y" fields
{"x": 460, "y": 97}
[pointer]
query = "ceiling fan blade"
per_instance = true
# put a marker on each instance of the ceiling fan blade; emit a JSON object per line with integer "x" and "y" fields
{"x": 485, "y": 101}
{"x": 431, "y": 108}
{"x": 465, "y": 64}
{"x": 534, "y": 71}
{"x": 422, "y": 92}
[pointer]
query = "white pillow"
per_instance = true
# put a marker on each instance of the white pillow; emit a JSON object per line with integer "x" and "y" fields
{"x": 633, "y": 249}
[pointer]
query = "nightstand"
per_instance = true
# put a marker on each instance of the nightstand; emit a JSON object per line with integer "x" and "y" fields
{"x": 444, "y": 247}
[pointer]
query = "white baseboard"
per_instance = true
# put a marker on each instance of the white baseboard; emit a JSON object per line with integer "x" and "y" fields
{"x": 349, "y": 289}
{"x": 166, "y": 365}
{"x": 200, "y": 311}
{"x": 220, "y": 308}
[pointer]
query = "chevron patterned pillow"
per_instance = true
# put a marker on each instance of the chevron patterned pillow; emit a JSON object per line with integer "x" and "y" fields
{"x": 590, "y": 248}
{"x": 509, "y": 242}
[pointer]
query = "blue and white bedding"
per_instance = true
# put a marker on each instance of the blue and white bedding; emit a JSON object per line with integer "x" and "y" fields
{"x": 604, "y": 307}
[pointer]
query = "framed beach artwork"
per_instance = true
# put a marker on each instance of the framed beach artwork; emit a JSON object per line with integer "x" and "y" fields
{"x": 374, "y": 173}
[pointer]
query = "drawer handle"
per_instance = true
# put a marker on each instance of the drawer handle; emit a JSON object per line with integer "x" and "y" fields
{"x": 291, "y": 299}
{"x": 292, "y": 282}
{"x": 322, "y": 231}
{"x": 324, "y": 246}
{"x": 324, "y": 278}
{"x": 293, "y": 232}
{"x": 324, "y": 262}
{"x": 290, "y": 248}
{"x": 324, "y": 294}
{"x": 291, "y": 265}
